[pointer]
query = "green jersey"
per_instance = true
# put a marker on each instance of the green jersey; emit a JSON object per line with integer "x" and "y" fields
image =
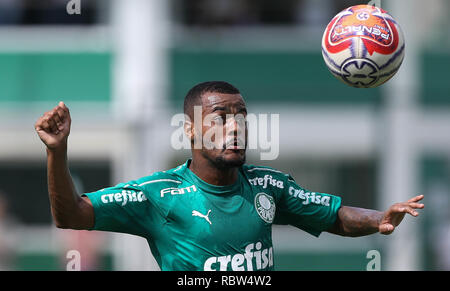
{"x": 192, "y": 225}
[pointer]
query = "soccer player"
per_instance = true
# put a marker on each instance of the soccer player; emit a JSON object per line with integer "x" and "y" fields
{"x": 214, "y": 212}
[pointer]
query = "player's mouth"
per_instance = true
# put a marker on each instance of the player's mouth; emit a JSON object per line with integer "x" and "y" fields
{"x": 234, "y": 145}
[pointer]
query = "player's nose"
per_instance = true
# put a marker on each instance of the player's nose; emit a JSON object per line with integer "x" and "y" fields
{"x": 236, "y": 123}
{"x": 236, "y": 127}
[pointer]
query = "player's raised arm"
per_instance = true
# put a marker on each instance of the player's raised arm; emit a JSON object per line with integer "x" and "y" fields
{"x": 353, "y": 221}
{"x": 69, "y": 210}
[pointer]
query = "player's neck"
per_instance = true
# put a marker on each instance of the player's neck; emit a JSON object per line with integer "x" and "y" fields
{"x": 212, "y": 175}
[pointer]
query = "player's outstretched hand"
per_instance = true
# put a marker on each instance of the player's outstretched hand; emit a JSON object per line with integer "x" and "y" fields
{"x": 394, "y": 215}
{"x": 53, "y": 127}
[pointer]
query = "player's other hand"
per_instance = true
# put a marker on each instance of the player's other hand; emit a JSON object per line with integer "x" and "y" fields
{"x": 53, "y": 127}
{"x": 394, "y": 215}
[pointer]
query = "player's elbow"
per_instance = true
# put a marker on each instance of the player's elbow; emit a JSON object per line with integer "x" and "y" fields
{"x": 78, "y": 216}
{"x": 68, "y": 225}
{"x": 62, "y": 223}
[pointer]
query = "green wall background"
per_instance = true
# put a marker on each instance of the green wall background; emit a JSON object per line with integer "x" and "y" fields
{"x": 273, "y": 77}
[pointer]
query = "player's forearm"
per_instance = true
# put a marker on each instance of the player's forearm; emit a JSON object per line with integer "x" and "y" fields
{"x": 64, "y": 200}
{"x": 354, "y": 222}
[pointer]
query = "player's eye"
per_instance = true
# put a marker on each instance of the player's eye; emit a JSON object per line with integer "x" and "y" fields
{"x": 240, "y": 119}
{"x": 218, "y": 119}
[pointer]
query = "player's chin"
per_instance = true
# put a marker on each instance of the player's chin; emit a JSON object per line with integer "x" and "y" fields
{"x": 233, "y": 157}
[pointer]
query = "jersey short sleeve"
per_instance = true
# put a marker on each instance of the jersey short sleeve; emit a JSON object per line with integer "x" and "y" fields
{"x": 120, "y": 209}
{"x": 310, "y": 211}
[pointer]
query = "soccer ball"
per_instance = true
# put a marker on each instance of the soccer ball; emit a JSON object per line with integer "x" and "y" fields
{"x": 363, "y": 46}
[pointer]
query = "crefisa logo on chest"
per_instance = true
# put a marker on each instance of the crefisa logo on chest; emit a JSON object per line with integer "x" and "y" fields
{"x": 265, "y": 207}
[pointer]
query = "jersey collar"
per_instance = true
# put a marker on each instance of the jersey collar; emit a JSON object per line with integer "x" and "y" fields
{"x": 206, "y": 187}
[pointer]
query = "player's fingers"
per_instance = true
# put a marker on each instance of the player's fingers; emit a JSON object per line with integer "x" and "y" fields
{"x": 40, "y": 121}
{"x": 386, "y": 228}
{"x": 66, "y": 110}
{"x": 60, "y": 116}
{"x": 416, "y": 205}
{"x": 408, "y": 209}
{"x": 63, "y": 106}
{"x": 399, "y": 208}
{"x": 41, "y": 124}
{"x": 416, "y": 199}
{"x": 56, "y": 117}
{"x": 51, "y": 123}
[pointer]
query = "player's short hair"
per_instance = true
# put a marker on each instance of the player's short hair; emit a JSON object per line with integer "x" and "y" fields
{"x": 193, "y": 96}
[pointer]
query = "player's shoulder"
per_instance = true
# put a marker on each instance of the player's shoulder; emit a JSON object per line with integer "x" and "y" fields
{"x": 255, "y": 170}
{"x": 264, "y": 176}
{"x": 159, "y": 179}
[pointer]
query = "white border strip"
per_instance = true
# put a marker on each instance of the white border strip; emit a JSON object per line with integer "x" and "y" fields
{"x": 160, "y": 180}
{"x": 265, "y": 169}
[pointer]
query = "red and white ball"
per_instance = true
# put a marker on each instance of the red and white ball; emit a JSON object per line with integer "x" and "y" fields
{"x": 363, "y": 46}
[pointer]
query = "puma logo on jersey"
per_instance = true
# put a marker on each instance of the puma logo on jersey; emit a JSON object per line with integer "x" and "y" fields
{"x": 176, "y": 191}
{"x": 196, "y": 213}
